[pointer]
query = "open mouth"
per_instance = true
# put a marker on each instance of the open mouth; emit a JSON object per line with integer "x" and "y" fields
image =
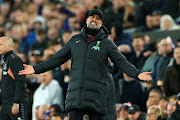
{"x": 93, "y": 23}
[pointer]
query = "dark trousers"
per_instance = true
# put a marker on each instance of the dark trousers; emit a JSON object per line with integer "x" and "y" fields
{"x": 6, "y": 114}
{"x": 76, "y": 114}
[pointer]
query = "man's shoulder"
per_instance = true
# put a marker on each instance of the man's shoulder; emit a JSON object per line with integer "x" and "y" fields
{"x": 107, "y": 40}
{"x": 14, "y": 58}
{"x": 77, "y": 36}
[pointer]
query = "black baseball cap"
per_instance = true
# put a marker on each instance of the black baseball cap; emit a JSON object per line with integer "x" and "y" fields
{"x": 96, "y": 11}
{"x": 133, "y": 109}
{"x": 37, "y": 52}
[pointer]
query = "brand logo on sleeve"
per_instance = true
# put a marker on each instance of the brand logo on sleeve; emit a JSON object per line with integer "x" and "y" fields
{"x": 5, "y": 66}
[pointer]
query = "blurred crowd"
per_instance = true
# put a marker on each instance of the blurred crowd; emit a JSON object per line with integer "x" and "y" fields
{"x": 40, "y": 28}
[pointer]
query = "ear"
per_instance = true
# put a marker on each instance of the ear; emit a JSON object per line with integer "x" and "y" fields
{"x": 86, "y": 20}
{"x": 101, "y": 23}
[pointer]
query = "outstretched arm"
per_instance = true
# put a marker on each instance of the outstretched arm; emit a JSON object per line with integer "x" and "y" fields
{"x": 145, "y": 76}
{"x": 56, "y": 60}
{"x": 121, "y": 62}
{"x": 27, "y": 71}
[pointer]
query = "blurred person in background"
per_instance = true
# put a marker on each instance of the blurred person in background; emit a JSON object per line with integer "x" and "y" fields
{"x": 148, "y": 26}
{"x": 172, "y": 98}
{"x": 156, "y": 19}
{"x": 153, "y": 113}
{"x": 41, "y": 112}
{"x": 123, "y": 111}
{"x": 172, "y": 75}
{"x": 129, "y": 90}
{"x": 134, "y": 113}
{"x": 53, "y": 35}
{"x": 8, "y": 29}
{"x": 170, "y": 109}
{"x": 129, "y": 15}
{"x": 39, "y": 23}
{"x": 5, "y": 10}
{"x": 118, "y": 15}
{"x": 153, "y": 98}
{"x": 106, "y": 7}
{"x": 74, "y": 24}
{"x": 81, "y": 16}
{"x": 163, "y": 103}
{"x": 49, "y": 92}
{"x": 176, "y": 114}
{"x": 164, "y": 60}
{"x": 37, "y": 56}
{"x": 150, "y": 61}
{"x": 137, "y": 57}
{"x": 16, "y": 32}
{"x": 42, "y": 41}
{"x": 66, "y": 36}
{"x": 167, "y": 23}
{"x": 27, "y": 39}
{"x": 55, "y": 109}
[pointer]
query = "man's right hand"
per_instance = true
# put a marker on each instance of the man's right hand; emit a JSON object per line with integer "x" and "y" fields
{"x": 27, "y": 71}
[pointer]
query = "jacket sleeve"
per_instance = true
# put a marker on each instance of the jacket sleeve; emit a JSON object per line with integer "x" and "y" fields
{"x": 120, "y": 61}
{"x": 56, "y": 60}
{"x": 20, "y": 80}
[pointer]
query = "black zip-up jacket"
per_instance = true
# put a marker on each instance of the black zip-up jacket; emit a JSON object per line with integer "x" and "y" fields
{"x": 89, "y": 86}
{"x": 13, "y": 86}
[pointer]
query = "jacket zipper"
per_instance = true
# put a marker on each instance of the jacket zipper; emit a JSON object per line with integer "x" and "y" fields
{"x": 83, "y": 72}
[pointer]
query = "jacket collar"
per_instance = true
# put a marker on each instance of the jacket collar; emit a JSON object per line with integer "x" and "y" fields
{"x": 7, "y": 54}
{"x": 102, "y": 34}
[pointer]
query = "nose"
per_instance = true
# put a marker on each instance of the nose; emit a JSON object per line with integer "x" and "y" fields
{"x": 94, "y": 19}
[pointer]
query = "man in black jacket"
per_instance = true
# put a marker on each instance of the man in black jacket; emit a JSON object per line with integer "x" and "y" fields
{"x": 13, "y": 86}
{"x": 176, "y": 114}
{"x": 90, "y": 88}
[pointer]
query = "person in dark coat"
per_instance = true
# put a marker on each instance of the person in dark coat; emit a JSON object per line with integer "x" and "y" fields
{"x": 176, "y": 114}
{"x": 129, "y": 90}
{"x": 89, "y": 87}
{"x": 137, "y": 55}
{"x": 164, "y": 60}
{"x": 13, "y": 86}
{"x": 172, "y": 75}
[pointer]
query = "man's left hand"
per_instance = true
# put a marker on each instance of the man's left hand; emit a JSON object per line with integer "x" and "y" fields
{"x": 15, "y": 109}
{"x": 145, "y": 76}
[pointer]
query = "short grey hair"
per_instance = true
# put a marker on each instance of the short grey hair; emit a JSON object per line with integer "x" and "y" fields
{"x": 9, "y": 41}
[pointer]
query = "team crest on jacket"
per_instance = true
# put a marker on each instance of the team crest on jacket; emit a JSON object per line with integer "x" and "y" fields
{"x": 5, "y": 66}
{"x": 96, "y": 47}
{"x": 4, "y": 73}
